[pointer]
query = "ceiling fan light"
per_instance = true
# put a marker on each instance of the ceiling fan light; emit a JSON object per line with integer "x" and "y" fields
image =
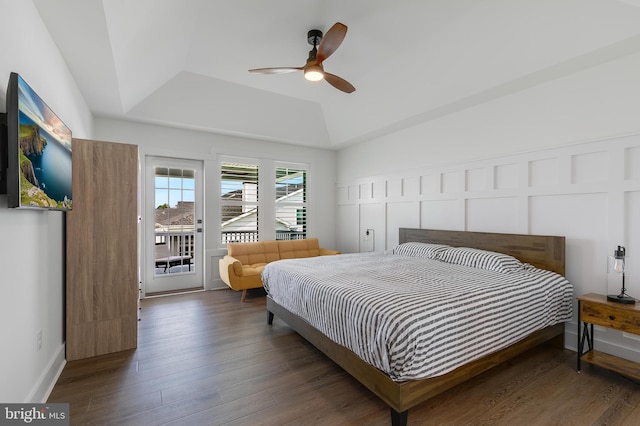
{"x": 313, "y": 73}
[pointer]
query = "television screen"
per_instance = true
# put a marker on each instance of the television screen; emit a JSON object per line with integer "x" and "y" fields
{"x": 39, "y": 151}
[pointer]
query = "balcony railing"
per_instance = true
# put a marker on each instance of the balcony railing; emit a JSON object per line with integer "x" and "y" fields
{"x": 251, "y": 236}
{"x": 182, "y": 243}
{"x": 179, "y": 243}
{"x": 290, "y": 235}
{"x": 175, "y": 252}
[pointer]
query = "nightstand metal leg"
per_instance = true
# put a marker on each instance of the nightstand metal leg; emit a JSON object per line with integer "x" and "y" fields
{"x": 580, "y": 342}
{"x": 579, "y": 345}
{"x": 587, "y": 337}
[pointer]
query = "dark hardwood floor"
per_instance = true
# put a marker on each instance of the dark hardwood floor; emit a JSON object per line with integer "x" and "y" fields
{"x": 205, "y": 358}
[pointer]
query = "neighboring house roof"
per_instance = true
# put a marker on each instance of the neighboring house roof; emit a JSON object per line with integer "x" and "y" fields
{"x": 285, "y": 194}
{"x": 233, "y": 194}
{"x": 182, "y": 214}
{"x": 281, "y": 192}
{"x": 240, "y": 217}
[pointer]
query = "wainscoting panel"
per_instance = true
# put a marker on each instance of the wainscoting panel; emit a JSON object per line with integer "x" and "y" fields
{"x": 586, "y": 168}
{"x": 400, "y": 215}
{"x": 430, "y": 184}
{"x": 632, "y": 163}
{"x": 476, "y": 180}
{"x": 452, "y": 182}
{"x": 506, "y": 176}
{"x": 576, "y": 216}
{"x": 347, "y": 227}
{"x": 353, "y": 193}
{"x": 366, "y": 191}
{"x": 442, "y": 214}
{"x": 492, "y": 215}
{"x": 544, "y": 172}
{"x": 379, "y": 190}
{"x": 587, "y": 192}
{"x": 394, "y": 188}
{"x": 632, "y": 243}
{"x": 411, "y": 187}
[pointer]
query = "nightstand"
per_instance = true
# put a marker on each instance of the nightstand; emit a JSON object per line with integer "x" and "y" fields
{"x": 595, "y": 309}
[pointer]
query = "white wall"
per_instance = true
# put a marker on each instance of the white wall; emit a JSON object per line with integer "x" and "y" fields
{"x": 168, "y": 142}
{"x": 32, "y": 249}
{"x": 593, "y": 104}
{"x": 560, "y": 158}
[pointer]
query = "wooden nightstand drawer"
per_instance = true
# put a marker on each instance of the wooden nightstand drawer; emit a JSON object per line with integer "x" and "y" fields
{"x": 610, "y": 316}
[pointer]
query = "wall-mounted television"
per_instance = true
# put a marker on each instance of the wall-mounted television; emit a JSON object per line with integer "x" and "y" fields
{"x": 38, "y": 152}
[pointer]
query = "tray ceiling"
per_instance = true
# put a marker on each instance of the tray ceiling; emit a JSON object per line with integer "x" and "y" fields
{"x": 184, "y": 63}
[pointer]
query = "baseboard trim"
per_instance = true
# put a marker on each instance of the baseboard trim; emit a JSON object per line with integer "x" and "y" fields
{"x": 49, "y": 377}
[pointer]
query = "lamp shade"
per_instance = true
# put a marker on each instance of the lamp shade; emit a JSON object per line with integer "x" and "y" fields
{"x": 616, "y": 264}
{"x": 618, "y": 260}
{"x": 313, "y": 73}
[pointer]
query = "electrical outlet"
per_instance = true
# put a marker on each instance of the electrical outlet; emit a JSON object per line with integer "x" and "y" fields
{"x": 39, "y": 340}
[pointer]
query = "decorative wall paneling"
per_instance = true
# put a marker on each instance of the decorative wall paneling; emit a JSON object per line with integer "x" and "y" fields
{"x": 102, "y": 252}
{"x": 588, "y": 192}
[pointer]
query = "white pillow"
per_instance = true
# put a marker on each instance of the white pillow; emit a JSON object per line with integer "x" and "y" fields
{"x": 482, "y": 259}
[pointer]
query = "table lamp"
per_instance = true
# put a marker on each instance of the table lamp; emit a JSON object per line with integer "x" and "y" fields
{"x": 616, "y": 264}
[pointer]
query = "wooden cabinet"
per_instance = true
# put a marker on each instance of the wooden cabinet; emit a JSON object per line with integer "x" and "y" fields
{"x": 102, "y": 250}
{"x": 595, "y": 309}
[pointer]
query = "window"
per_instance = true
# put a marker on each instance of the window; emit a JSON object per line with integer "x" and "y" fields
{"x": 291, "y": 203}
{"x": 239, "y": 202}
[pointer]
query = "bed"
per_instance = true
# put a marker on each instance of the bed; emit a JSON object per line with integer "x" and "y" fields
{"x": 337, "y": 308}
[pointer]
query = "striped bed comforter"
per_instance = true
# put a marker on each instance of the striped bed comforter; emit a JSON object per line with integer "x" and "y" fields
{"x": 415, "y": 317}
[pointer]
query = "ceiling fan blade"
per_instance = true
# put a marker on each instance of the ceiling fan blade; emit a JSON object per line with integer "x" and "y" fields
{"x": 277, "y": 70}
{"x": 331, "y": 41}
{"x": 339, "y": 83}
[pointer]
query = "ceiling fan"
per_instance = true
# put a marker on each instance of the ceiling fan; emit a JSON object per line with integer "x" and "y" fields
{"x": 323, "y": 47}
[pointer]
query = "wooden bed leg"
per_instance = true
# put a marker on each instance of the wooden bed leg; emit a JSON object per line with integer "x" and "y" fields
{"x": 399, "y": 419}
{"x": 244, "y": 295}
{"x": 269, "y": 317}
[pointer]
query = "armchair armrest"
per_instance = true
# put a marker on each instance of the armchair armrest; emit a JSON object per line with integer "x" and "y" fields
{"x": 230, "y": 270}
{"x": 233, "y": 264}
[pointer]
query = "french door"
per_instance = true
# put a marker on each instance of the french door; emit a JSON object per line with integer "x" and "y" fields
{"x": 174, "y": 225}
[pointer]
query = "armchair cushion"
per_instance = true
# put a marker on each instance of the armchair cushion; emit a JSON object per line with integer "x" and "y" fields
{"x": 294, "y": 249}
{"x": 254, "y": 252}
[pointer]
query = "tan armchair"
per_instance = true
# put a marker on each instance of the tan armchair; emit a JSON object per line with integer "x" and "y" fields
{"x": 242, "y": 267}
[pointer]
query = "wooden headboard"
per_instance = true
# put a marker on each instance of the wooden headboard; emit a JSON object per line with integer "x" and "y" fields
{"x": 541, "y": 251}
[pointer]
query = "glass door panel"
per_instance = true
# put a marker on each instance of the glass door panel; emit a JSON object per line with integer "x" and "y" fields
{"x": 175, "y": 234}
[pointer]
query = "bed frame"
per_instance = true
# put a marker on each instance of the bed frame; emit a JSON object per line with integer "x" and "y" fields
{"x": 546, "y": 252}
